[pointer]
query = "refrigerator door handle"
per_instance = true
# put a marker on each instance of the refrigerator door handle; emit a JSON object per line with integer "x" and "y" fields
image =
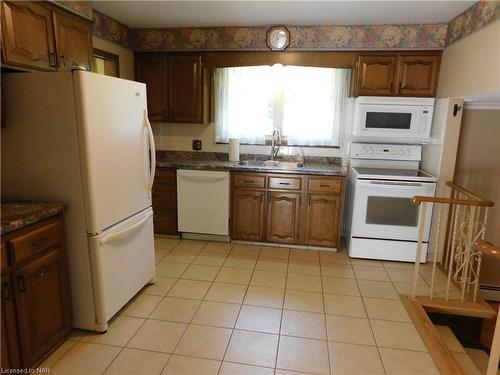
{"x": 126, "y": 232}
{"x": 152, "y": 150}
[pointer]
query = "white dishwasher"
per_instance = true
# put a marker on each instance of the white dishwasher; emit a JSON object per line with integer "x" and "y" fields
{"x": 203, "y": 202}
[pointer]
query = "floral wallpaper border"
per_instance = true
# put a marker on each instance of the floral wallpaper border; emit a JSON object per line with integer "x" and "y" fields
{"x": 253, "y": 38}
{"x": 477, "y": 16}
{"x": 108, "y": 28}
{"x": 301, "y": 38}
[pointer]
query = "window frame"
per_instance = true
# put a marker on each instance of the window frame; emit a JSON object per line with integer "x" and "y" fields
{"x": 341, "y": 130}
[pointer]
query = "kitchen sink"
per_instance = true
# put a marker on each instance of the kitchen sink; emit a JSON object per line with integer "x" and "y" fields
{"x": 270, "y": 164}
{"x": 252, "y": 163}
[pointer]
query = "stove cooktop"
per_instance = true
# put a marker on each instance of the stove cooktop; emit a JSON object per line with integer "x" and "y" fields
{"x": 393, "y": 174}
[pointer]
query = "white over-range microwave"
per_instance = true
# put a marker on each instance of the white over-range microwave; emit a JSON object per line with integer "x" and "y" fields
{"x": 387, "y": 119}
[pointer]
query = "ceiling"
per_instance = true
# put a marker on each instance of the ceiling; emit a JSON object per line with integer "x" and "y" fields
{"x": 152, "y": 14}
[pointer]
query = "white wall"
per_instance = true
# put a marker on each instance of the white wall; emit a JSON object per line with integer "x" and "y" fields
{"x": 126, "y": 56}
{"x": 472, "y": 65}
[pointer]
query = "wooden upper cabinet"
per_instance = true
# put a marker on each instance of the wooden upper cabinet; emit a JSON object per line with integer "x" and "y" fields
{"x": 248, "y": 214}
{"x": 185, "y": 89}
{"x": 323, "y": 211}
{"x": 10, "y": 352}
{"x": 152, "y": 70}
{"x": 73, "y": 37}
{"x": 418, "y": 75}
{"x": 375, "y": 75}
{"x": 42, "y": 305}
{"x": 27, "y": 35}
{"x": 283, "y": 217}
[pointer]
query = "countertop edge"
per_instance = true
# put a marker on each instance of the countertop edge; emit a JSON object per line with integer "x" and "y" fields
{"x": 35, "y": 217}
{"x": 336, "y": 171}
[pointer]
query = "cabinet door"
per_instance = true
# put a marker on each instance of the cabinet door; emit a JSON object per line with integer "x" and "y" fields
{"x": 185, "y": 89}
{"x": 283, "y": 215}
{"x": 247, "y": 221}
{"x": 165, "y": 209}
{"x": 10, "y": 348}
{"x": 27, "y": 35}
{"x": 152, "y": 70}
{"x": 164, "y": 197}
{"x": 376, "y": 75}
{"x": 323, "y": 212}
{"x": 417, "y": 75}
{"x": 42, "y": 305}
{"x": 73, "y": 40}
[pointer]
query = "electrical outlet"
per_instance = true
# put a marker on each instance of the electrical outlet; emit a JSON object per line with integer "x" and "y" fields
{"x": 196, "y": 144}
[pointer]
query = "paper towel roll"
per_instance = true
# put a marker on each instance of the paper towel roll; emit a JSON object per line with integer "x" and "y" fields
{"x": 234, "y": 149}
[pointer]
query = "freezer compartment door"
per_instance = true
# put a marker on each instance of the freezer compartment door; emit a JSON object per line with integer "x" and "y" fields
{"x": 123, "y": 261}
{"x": 117, "y": 150}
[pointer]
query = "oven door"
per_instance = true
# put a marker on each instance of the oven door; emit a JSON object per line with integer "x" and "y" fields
{"x": 383, "y": 209}
{"x": 393, "y": 121}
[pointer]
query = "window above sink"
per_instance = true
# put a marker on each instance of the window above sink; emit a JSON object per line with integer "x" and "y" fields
{"x": 307, "y": 104}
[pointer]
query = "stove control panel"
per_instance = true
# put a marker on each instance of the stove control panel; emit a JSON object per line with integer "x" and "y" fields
{"x": 386, "y": 151}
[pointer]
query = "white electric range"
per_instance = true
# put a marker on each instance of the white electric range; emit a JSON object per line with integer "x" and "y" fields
{"x": 382, "y": 222}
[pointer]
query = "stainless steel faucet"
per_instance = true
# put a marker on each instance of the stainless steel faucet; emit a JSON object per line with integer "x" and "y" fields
{"x": 275, "y": 143}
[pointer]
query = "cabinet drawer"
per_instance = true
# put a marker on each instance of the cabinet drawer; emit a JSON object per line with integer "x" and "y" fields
{"x": 248, "y": 180}
{"x": 36, "y": 241}
{"x": 285, "y": 183}
{"x": 321, "y": 184}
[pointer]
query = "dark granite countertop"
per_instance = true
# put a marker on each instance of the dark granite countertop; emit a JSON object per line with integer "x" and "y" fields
{"x": 17, "y": 215}
{"x": 219, "y": 162}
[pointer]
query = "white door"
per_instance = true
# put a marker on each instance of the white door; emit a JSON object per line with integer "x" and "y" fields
{"x": 116, "y": 142}
{"x": 123, "y": 261}
{"x": 383, "y": 209}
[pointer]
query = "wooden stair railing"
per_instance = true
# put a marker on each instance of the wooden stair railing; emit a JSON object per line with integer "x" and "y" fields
{"x": 460, "y": 259}
{"x": 467, "y": 218}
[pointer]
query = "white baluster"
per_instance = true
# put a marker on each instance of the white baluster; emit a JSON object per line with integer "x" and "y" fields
{"x": 436, "y": 250}
{"x": 419, "y": 248}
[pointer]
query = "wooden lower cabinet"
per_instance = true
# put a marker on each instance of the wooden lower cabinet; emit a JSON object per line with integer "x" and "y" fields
{"x": 283, "y": 216}
{"x": 36, "y": 313}
{"x": 322, "y": 227}
{"x": 247, "y": 220}
{"x": 42, "y": 304}
{"x": 10, "y": 345}
{"x": 164, "y": 197}
{"x": 273, "y": 208}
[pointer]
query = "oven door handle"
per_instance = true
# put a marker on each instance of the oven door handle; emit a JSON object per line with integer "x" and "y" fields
{"x": 392, "y": 183}
{"x": 395, "y": 184}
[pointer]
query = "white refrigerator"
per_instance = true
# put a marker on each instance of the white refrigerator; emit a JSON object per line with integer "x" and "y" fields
{"x": 84, "y": 139}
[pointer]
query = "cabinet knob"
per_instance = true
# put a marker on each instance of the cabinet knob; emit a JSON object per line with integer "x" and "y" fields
{"x": 52, "y": 60}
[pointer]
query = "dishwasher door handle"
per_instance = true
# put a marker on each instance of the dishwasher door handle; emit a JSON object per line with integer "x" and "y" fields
{"x": 201, "y": 176}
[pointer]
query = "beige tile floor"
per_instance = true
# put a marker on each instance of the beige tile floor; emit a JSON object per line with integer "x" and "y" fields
{"x": 232, "y": 309}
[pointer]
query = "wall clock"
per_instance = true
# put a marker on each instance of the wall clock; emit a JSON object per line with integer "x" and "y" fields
{"x": 278, "y": 38}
